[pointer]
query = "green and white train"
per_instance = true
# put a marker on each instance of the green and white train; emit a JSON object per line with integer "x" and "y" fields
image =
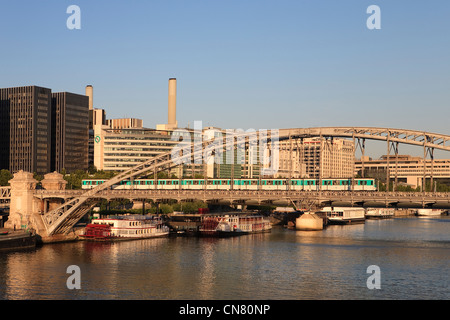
{"x": 359, "y": 184}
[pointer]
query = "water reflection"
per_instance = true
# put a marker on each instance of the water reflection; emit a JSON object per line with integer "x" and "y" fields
{"x": 284, "y": 264}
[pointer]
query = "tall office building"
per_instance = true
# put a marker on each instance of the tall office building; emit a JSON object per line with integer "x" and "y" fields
{"x": 41, "y": 132}
{"x": 70, "y": 132}
{"x": 25, "y": 134}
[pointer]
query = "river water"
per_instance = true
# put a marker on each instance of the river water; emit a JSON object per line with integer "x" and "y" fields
{"x": 412, "y": 254}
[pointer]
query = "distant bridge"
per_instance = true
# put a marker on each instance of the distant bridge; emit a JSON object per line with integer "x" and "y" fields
{"x": 5, "y": 196}
{"x": 62, "y": 219}
{"x": 302, "y": 199}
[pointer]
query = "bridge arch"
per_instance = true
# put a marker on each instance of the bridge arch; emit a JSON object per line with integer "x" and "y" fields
{"x": 62, "y": 219}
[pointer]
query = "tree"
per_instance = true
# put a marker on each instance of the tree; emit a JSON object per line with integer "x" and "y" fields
{"x": 5, "y": 176}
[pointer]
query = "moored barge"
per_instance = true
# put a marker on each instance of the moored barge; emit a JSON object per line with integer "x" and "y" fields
{"x": 16, "y": 240}
{"x": 226, "y": 225}
{"x": 336, "y": 215}
{"x": 379, "y": 213}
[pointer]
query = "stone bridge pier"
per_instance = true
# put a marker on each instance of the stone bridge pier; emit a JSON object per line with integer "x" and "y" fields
{"x": 26, "y": 209}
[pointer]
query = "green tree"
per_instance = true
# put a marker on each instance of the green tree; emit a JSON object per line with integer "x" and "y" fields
{"x": 5, "y": 176}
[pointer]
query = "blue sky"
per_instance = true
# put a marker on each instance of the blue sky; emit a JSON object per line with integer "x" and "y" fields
{"x": 240, "y": 64}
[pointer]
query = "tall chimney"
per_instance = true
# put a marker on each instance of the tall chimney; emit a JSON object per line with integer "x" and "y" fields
{"x": 172, "y": 122}
{"x": 90, "y": 94}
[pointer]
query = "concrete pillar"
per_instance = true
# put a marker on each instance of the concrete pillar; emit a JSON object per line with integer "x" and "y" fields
{"x": 309, "y": 222}
{"x": 23, "y": 204}
{"x": 54, "y": 181}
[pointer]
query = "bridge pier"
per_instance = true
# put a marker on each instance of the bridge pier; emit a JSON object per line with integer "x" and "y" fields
{"x": 26, "y": 209}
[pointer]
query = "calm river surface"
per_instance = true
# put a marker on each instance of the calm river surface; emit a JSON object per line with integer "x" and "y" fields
{"x": 413, "y": 255}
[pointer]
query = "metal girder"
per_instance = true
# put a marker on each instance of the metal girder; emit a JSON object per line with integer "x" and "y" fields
{"x": 5, "y": 192}
{"x": 412, "y": 137}
{"x": 56, "y": 217}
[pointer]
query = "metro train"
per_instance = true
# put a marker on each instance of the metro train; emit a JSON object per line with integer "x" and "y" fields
{"x": 360, "y": 184}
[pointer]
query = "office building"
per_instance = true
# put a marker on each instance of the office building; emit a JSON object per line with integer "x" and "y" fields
{"x": 70, "y": 132}
{"x": 25, "y": 129}
{"x": 406, "y": 168}
{"x": 41, "y": 131}
{"x": 316, "y": 158}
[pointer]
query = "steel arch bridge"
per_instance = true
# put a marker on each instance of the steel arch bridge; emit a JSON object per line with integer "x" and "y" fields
{"x": 64, "y": 217}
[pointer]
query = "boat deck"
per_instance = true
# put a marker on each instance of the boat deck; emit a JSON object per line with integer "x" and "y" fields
{"x": 15, "y": 239}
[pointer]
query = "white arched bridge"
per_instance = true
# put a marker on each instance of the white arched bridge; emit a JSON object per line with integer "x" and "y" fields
{"x": 77, "y": 204}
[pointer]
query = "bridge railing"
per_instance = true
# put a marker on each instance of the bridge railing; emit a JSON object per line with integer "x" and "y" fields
{"x": 5, "y": 192}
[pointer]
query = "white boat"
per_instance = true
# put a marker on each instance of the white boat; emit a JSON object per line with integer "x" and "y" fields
{"x": 429, "y": 212}
{"x": 337, "y": 215}
{"x": 125, "y": 228}
{"x": 379, "y": 213}
{"x": 232, "y": 224}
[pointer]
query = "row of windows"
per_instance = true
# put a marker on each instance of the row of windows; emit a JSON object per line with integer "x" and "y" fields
{"x": 269, "y": 182}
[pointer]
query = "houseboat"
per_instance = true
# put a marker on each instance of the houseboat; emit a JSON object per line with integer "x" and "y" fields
{"x": 15, "y": 240}
{"x": 336, "y": 215}
{"x": 379, "y": 213}
{"x": 428, "y": 212}
{"x": 121, "y": 228}
{"x": 233, "y": 225}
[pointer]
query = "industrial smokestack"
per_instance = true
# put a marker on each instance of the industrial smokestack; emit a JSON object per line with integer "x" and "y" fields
{"x": 172, "y": 121}
{"x": 90, "y": 94}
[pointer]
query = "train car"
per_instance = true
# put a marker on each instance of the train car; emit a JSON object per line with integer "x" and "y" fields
{"x": 360, "y": 184}
{"x": 364, "y": 184}
{"x": 90, "y": 184}
{"x": 218, "y": 184}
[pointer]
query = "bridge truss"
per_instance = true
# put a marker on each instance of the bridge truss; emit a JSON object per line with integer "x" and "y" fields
{"x": 62, "y": 219}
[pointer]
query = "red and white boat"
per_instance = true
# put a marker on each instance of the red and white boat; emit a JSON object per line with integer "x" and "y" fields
{"x": 121, "y": 228}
